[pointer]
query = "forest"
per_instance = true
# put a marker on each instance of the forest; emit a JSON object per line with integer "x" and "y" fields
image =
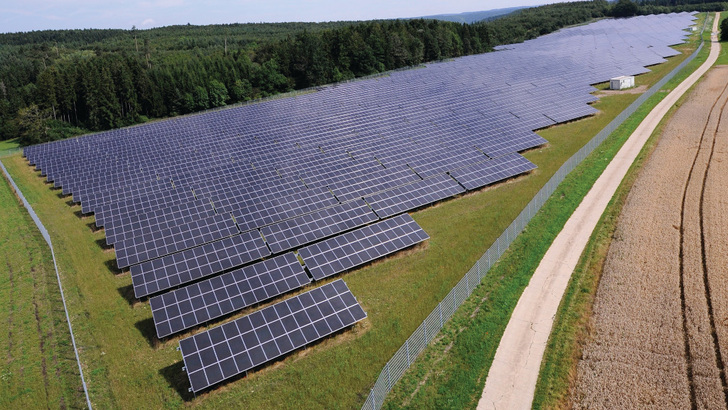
{"x": 60, "y": 83}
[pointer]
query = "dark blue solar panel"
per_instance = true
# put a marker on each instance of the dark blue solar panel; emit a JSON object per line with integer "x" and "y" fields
{"x": 308, "y": 228}
{"x": 164, "y": 273}
{"x": 212, "y": 298}
{"x": 492, "y": 171}
{"x": 414, "y": 195}
{"x": 160, "y": 243}
{"x": 235, "y": 347}
{"x": 360, "y": 246}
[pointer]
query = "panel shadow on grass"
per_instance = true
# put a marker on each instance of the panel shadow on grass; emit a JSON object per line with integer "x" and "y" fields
{"x": 177, "y": 379}
{"x": 102, "y": 244}
{"x": 147, "y": 329}
{"x": 127, "y": 292}
{"x": 111, "y": 265}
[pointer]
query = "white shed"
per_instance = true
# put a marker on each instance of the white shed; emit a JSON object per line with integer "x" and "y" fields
{"x": 620, "y": 83}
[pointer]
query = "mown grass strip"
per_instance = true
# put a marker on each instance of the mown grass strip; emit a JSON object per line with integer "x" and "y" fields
{"x": 38, "y": 367}
{"x": 451, "y": 373}
{"x": 723, "y": 57}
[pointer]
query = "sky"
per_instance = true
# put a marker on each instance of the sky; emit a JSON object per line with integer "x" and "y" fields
{"x": 28, "y": 15}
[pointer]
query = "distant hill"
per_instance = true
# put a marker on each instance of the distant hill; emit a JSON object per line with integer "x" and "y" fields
{"x": 473, "y": 16}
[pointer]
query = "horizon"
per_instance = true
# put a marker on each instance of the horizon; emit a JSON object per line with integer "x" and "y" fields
{"x": 38, "y": 15}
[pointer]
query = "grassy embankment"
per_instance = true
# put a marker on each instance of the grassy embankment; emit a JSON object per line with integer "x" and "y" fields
{"x": 571, "y": 326}
{"x": 38, "y": 368}
{"x": 8, "y": 145}
{"x": 452, "y": 371}
{"x": 127, "y": 367}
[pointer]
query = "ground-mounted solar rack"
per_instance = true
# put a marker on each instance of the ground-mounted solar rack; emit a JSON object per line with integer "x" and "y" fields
{"x": 209, "y": 299}
{"x": 265, "y": 335}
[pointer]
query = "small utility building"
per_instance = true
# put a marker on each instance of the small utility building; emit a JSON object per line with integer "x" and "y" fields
{"x": 620, "y": 83}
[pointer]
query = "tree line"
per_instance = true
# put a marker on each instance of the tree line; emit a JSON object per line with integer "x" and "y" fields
{"x": 55, "y": 84}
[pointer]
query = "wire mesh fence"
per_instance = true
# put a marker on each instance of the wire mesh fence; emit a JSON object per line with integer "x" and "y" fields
{"x": 430, "y": 327}
{"x": 10, "y": 151}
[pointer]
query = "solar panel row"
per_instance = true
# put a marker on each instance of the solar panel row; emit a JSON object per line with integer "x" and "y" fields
{"x": 196, "y": 263}
{"x": 171, "y": 240}
{"x": 212, "y": 298}
{"x": 362, "y": 245}
{"x": 235, "y": 347}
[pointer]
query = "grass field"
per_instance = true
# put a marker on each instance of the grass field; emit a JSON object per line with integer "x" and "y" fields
{"x": 126, "y": 367}
{"x": 571, "y": 326}
{"x": 38, "y": 368}
{"x": 7, "y": 146}
{"x": 723, "y": 57}
{"x": 452, "y": 371}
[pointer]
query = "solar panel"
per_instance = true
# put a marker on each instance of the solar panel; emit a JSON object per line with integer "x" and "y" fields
{"x": 167, "y": 241}
{"x": 118, "y": 210}
{"x": 212, "y": 298}
{"x": 283, "y": 208}
{"x": 360, "y": 246}
{"x": 195, "y": 263}
{"x": 238, "y": 346}
{"x": 157, "y": 220}
{"x": 359, "y": 186}
{"x": 495, "y": 170}
{"x": 414, "y": 195}
{"x": 318, "y": 225}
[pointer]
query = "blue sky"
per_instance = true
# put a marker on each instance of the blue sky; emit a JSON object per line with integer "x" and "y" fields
{"x": 27, "y": 15}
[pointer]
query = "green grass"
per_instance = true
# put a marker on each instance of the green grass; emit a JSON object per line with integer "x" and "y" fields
{"x": 452, "y": 371}
{"x": 8, "y": 145}
{"x": 37, "y": 368}
{"x": 571, "y": 325}
{"x": 127, "y": 367}
{"x": 723, "y": 57}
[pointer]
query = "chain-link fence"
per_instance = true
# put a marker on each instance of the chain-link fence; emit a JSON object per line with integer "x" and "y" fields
{"x": 416, "y": 343}
{"x": 47, "y": 238}
{"x": 10, "y": 151}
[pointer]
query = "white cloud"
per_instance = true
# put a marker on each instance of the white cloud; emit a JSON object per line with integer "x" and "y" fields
{"x": 148, "y": 22}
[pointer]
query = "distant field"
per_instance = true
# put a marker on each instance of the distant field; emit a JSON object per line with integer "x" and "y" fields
{"x": 126, "y": 366}
{"x": 37, "y": 369}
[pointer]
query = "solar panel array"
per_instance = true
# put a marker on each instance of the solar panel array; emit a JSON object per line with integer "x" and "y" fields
{"x": 360, "y": 246}
{"x": 212, "y": 298}
{"x": 219, "y": 211}
{"x": 235, "y": 347}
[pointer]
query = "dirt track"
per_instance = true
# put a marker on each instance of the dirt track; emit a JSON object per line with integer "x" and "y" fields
{"x": 660, "y": 324}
